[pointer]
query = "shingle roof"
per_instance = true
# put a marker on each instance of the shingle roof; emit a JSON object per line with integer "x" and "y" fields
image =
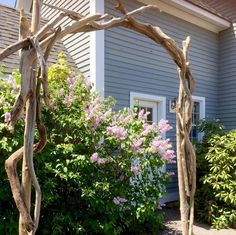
{"x": 226, "y": 8}
{"x": 208, "y": 7}
{"x": 9, "y": 22}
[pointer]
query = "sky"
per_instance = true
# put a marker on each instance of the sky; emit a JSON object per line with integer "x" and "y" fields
{"x": 10, "y": 3}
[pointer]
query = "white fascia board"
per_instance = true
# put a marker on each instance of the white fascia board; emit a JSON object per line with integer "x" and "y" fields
{"x": 24, "y": 4}
{"x": 191, "y": 13}
{"x": 97, "y": 50}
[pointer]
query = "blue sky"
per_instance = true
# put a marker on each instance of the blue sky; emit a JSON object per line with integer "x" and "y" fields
{"x": 10, "y": 3}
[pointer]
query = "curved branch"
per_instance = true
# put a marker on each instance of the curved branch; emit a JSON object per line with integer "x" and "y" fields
{"x": 11, "y": 169}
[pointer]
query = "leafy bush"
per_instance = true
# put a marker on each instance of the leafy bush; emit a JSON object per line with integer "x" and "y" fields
{"x": 217, "y": 185}
{"x": 100, "y": 171}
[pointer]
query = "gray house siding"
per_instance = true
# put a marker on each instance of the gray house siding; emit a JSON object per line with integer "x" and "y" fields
{"x": 77, "y": 45}
{"x": 9, "y": 27}
{"x": 133, "y": 63}
{"x": 227, "y": 62}
{"x": 227, "y": 81}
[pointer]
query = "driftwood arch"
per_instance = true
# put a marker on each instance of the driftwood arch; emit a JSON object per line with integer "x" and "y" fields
{"x": 35, "y": 45}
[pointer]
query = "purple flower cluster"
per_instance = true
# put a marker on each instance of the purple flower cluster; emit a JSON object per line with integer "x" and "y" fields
{"x": 12, "y": 82}
{"x": 162, "y": 147}
{"x": 119, "y": 200}
{"x": 136, "y": 170}
{"x": 164, "y": 126}
{"x": 147, "y": 129}
{"x": 71, "y": 85}
{"x": 87, "y": 83}
{"x": 95, "y": 114}
{"x": 136, "y": 145}
{"x": 118, "y": 132}
{"x": 169, "y": 156}
{"x": 98, "y": 160}
{"x": 125, "y": 120}
{"x": 142, "y": 115}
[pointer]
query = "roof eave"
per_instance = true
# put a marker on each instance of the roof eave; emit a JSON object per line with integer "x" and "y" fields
{"x": 191, "y": 13}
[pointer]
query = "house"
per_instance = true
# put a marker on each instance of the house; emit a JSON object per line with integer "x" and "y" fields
{"x": 9, "y": 33}
{"x": 131, "y": 68}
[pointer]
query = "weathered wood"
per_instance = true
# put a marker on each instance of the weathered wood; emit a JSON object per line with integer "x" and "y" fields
{"x": 28, "y": 173}
{"x": 36, "y": 47}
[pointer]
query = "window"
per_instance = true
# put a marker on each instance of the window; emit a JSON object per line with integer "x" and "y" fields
{"x": 156, "y": 105}
{"x": 197, "y": 115}
{"x": 150, "y": 107}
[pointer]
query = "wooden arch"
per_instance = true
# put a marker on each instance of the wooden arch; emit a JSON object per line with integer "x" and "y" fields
{"x": 35, "y": 45}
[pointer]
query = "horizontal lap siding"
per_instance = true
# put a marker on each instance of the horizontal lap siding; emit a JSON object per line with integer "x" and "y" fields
{"x": 227, "y": 81}
{"x": 78, "y": 45}
{"x": 9, "y": 27}
{"x": 227, "y": 73}
{"x": 133, "y": 63}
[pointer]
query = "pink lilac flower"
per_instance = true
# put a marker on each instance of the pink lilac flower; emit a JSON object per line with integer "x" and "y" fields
{"x": 135, "y": 170}
{"x": 118, "y": 132}
{"x": 164, "y": 126}
{"x": 125, "y": 120}
{"x": 95, "y": 115}
{"x": 12, "y": 82}
{"x": 71, "y": 83}
{"x": 169, "y": 156}
{"x": 160, "y": 146}
{"x": 142, "y": 115}
{"x": 7, "y": 117}
{"x": 147, "y": 129}
{"x": 107, "y": 113}
{"x": 102, "y": 161}
{"x": 87, "y": 83}
{"x": 119, "y": 200}
{"x": 94, "y": 158}
{"x": 98, "y": 160}
{"x": 67, "y": 100}
{"x": 128, "y": 119}
{"x": 136, "y": 146}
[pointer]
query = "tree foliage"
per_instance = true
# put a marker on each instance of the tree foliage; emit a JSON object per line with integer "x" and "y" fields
{"x": 217, "y": 173}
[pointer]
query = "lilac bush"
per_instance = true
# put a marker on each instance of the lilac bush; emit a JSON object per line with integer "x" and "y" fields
{"x": 104, "y": 168}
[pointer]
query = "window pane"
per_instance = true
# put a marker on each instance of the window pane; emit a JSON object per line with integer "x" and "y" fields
{"x": 150, "y": 115}
{"x": 195, "y": 122}
{"x": 147, "y": 109}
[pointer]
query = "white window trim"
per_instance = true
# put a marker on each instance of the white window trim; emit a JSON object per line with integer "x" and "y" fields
{"x": 202, "y": 102}
{"x": 97, "y": 50}
{"x": 146, "y": 97}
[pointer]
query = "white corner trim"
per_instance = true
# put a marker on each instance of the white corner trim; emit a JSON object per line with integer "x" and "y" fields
{"x": 23, "y": 4}
{"x": 97, "y": 50}
{"x": 191, "y": 13}
{"x": 146, "y": 97}
{"x": 202, "y": 101}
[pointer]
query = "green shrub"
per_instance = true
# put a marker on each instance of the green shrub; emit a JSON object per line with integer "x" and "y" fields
{"x": 100, "y": 171}
{"x": 216, "y": 195}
